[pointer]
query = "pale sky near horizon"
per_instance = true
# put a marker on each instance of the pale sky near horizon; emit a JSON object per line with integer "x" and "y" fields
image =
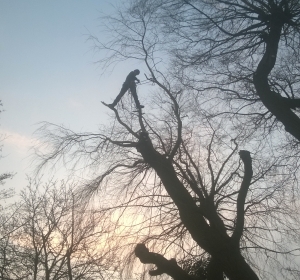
{"x": 48, "y": 72}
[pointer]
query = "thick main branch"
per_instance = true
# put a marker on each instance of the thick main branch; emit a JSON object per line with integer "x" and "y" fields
{"x": 213, "y": 240}
{"x": 275, "y": 103}
{"x": 163, "y": 265}
{"x": 240, "y": 216}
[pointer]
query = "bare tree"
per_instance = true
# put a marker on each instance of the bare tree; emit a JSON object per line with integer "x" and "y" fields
{"x": 175, "y": 170}
{"x": 6, "y": 175}
{"x": 196, "y": 188}
{"x": 247, "y": 50}
{"x": 55, "y": 240}
{"x": 8, "y": 223}
{"x": 8, "y": 263}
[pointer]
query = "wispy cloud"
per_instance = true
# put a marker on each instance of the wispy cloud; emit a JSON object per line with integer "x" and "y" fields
{"x": 18, "y": 142}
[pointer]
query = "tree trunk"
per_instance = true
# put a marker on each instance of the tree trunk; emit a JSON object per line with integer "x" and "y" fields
{"x": 217, "y": 243}
{"x": 274, "y": 103}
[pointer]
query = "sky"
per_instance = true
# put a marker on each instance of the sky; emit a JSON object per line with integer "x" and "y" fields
{"x": 48, "y": 72}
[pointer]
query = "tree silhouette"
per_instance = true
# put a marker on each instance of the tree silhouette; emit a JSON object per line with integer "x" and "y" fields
{"x": 180, "y": 170}
{"x": 50, "y": 237}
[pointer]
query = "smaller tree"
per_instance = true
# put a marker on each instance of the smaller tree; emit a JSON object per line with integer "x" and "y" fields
{"x": 58, "y": 239}
{"x": 6, "y": 175}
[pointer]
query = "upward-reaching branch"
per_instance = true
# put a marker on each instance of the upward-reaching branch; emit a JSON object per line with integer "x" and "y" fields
{"x": 240, "y": 204}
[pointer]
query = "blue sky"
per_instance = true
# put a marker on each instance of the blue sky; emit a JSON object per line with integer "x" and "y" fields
{"x": 48, "y": 72}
